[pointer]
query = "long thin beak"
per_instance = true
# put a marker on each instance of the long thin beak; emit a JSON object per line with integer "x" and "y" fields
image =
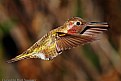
{"x": 103, "y": 25}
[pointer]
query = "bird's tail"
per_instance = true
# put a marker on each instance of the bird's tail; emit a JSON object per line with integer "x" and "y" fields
{"x": 22, "y": 56}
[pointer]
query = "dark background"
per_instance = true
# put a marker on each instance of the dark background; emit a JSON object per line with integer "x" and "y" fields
{"x": 23, "y": 22}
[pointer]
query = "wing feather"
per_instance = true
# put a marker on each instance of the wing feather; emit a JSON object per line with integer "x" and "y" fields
{"x": 93, "y": 30}
{"x": 69, "y": 41}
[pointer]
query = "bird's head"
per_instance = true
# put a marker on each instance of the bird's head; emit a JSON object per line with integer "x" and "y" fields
{"x": 77, "y": 25}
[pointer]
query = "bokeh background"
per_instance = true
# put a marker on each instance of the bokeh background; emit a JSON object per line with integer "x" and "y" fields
{"x": 23, "y": 22}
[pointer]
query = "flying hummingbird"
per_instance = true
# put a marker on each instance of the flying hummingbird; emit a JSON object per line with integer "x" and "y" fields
{"x": 72, "y": 33}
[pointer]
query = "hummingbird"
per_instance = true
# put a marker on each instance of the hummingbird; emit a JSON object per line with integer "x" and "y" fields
{"x": 74, "y": 32}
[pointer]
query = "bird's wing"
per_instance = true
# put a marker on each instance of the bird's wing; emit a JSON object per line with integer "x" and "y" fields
{"x": 93, "y": 30}
{"x": 66, "y": 41}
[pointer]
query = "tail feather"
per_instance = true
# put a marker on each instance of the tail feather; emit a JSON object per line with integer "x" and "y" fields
{"x": 21, "y": 57}
{"x": 13, "y": 60}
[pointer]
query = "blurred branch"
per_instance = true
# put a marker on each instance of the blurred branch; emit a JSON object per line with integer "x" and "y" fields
{"x": 105, "y": 48}
{"x": 119, "y": 46}
{"x": 86, "y": 65}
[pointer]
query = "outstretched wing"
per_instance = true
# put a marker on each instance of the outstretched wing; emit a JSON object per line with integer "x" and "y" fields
{"x": 67, "y": 41}
{"x": 94, "y": 29}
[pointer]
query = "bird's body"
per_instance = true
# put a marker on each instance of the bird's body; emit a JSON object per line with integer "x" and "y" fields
{"x": 74, "y": 32}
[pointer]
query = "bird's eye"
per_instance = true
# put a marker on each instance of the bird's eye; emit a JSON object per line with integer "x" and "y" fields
{"x": 78, "y": 23}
